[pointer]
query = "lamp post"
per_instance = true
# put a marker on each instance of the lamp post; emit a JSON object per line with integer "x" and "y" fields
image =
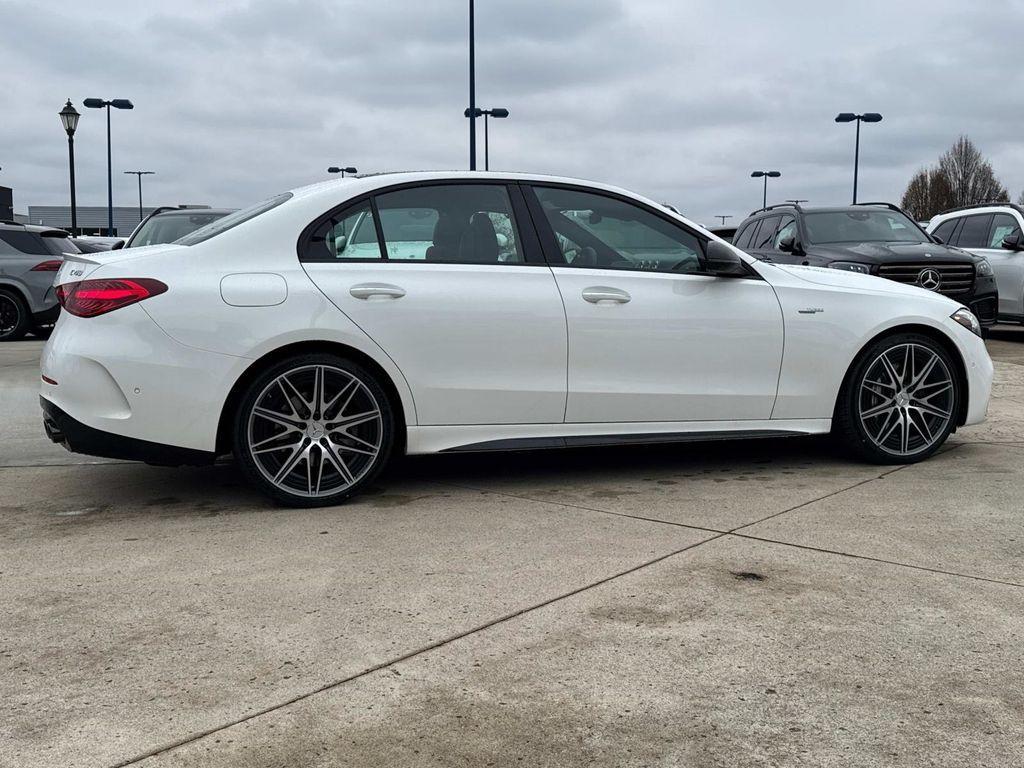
{"x": 69, "y": 119}
{"x": 723, "y": 217}
{"x": 342, "y": 171}
{"x": 116, "y": 104}
{"x": 471, "y": 113}
{"x": 140, "y": 174}
{"x": 765, "y": 175}
{"x": 849, "y": 117}
{"x": 496, "y": 112}
{"x": 797, "y": 201}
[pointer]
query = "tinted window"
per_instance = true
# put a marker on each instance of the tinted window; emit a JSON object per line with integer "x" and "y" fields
{"x": 458, "y": 223}
{"x": 975, "y": 231}
{"x": 786, "y": 228}
{"x": 597, "y": 231}
{"x": 766, "y": 233}
{"x": 233, "y": 220}
{"x": 861, "y": 226}
{"x": 60, "y": 244}
{"x": 350, "y": 234}
{"x": 742, "y": 239}
{"x": 945, "y": 229}
{"x": 24, "y": 242}
{"x": 1003, "y": 225}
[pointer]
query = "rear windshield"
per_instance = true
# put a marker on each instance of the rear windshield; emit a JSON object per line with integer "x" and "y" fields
{"x": 232, "y": 220}
{"x": 168, "y": 227}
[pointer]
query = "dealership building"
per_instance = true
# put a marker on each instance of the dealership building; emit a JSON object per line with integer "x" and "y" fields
{"x": 92, "y": 219}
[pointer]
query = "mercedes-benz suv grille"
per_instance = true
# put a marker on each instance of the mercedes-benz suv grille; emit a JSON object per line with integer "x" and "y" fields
{"x": 947, "y": 279}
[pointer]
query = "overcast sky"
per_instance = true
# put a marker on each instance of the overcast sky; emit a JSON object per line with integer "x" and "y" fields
{"x": 676, "y": 99}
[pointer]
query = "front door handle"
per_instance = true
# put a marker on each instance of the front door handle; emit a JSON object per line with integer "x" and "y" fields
{"x": 599, "y": 293}
{"x": 376, "y": 291}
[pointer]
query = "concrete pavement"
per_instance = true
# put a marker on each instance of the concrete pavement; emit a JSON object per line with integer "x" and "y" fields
{"x": 762, "y": 603}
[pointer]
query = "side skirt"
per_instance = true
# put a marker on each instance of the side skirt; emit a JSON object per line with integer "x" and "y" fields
{"x": 527, "y": 437}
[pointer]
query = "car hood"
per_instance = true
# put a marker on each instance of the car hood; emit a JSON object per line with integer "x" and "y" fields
{"x": 890, "y": 253}
{"x": 840, "y": 278}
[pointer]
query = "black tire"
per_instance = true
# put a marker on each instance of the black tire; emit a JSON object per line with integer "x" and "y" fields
{"x": 14, "y": 316}
{"x": 329, "y": 449}
{"x": 860, "y": 396}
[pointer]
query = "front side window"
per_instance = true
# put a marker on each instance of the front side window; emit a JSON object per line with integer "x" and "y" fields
{"x": 1003, "y": 225}
{"x": 766, "y": 234}
{"x": 974, "y": 233}
{"x": 786, "y": 229}
{"x": 456, "y": 223}
{"x": 597, "y": 231}
{"x": 860, "y": 226}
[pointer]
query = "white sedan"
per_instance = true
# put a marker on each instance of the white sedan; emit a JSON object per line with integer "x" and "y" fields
{"x": 320, "y": 332}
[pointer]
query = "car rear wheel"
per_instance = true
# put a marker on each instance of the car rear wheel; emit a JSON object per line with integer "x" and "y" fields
{"x": 313, "y": 430}
{"x": 14, "y": 318}
{"x": 900, "y": 402}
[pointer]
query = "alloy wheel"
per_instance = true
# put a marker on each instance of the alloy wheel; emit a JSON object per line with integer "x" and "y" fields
{"x": 906, "y": 399}
{"x": 10, "y": 315}
{"x": 315, "y": 430}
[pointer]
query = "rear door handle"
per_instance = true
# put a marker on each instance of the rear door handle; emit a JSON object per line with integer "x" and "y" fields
{"x": 376, "y": 291}
{"x": 599, "y": 293}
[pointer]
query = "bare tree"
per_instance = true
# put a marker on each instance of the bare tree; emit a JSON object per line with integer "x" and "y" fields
{"x": 962, "y": 177}
{"x": 927, "y": 194}
{"x": 1020, "y": 200}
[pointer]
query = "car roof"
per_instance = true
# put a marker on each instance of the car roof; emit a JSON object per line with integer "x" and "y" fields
{"x": 967, "y": 210}
{"x": 37, "y": 228}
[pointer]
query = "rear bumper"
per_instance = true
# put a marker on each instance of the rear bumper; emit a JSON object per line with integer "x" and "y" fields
{"x": 80, "y": 438}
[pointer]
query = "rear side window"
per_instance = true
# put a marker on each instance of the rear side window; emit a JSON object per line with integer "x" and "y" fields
{"x": 786, "y": 228}
{"x": 455, "y": 223}
{"x": 24, "y": 242}
{"x": 766, "y": 233}
{"x": 975, "y": 231}
{"x": 746, "y": 236}
{"x": 1003, "y": 225}
{"x": 351, "y": 234}
{"x": 945, "y": 230}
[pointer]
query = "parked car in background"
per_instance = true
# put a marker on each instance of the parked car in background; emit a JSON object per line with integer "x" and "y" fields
{"x": 323, "y": 330}
{"x": 30, "y": 257}
{"x": 167, "y": 224}
{"x": 991, "y": 231}
{"x": 727, "y": 233}
{"x": 91, "y": 244}
{"x": 871, "y": 239}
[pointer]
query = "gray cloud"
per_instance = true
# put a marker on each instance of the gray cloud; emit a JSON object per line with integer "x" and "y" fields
{"x": 680, "y": 101}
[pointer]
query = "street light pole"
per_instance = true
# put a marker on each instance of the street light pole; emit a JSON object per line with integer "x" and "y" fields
{"x": 116, "y": 104}
{"x": 140, "y": 174}
{"x": 472, "y": 89}
{"x": 849, "y": 117}
{"x": 342, "y": 171}
{"x": 723, "y": 217}
{"x": 766, "y": 175}
{"x": 69, "y": 119}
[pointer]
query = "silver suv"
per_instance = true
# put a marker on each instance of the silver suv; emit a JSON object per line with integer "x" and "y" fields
{"x": 29, "y": 259}
{"x": 992, "y": 230}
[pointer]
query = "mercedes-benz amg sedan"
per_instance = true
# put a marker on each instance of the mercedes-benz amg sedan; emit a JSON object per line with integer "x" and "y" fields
{"x": 321, "y": 331}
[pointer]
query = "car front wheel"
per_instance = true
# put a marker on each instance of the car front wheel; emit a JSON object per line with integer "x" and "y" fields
{"x": 900, "y": 402}
{"x": 313, "y": 430}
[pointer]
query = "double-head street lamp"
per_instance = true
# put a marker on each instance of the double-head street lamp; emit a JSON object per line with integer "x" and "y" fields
{"x": 723, "y": 217}
{"x": 116, "y": 104}
{"x": 347, "y": 169}
{"x": 496, "y": 112}
{"x": 765, "y": 175}
{"x": 140, "y": 174}
{"x": 849, "y": 117}
{"x": 69, "y": 119}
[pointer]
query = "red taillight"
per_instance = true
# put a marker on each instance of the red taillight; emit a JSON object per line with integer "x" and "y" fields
{"x": 53, "y": 265}
{"x": 88, "y": 298}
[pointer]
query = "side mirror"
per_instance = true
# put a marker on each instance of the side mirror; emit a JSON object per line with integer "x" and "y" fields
{"x": 1013, "y": 243}
{"x": 937, "y": 240}
{"x": 724, "y": 261}
{"x": 789, "y": 244}
{"x": 117, "y": 246}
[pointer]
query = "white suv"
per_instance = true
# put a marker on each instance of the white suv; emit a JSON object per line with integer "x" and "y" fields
{"x": 992, "y": 230}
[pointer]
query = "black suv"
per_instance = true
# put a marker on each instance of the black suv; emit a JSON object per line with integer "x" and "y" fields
{"x": 875, "y": 239}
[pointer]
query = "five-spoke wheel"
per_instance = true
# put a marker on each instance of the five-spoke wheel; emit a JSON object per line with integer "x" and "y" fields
{"x": 313, "y": 429}
{"x": 900, "y": 401}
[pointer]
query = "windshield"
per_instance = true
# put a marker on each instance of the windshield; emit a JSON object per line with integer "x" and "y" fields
{"x": 168, "y": 227}
{"x": 864, "y": 226}
{"x": 232, "y": 220}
